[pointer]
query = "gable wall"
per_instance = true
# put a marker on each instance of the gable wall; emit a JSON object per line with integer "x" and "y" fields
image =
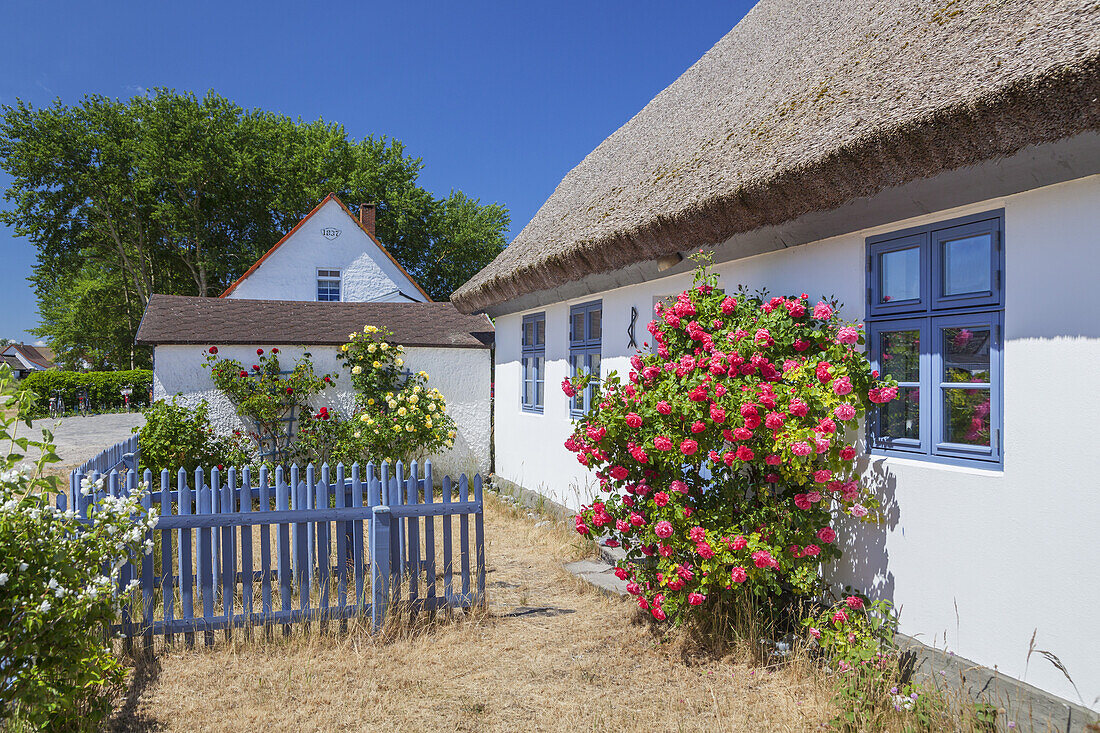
{"x": 1013, "y": 550}
{"x": 290, "y": 272}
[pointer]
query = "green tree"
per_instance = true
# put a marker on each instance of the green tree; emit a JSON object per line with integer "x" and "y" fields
{"x": 170, "y": 193}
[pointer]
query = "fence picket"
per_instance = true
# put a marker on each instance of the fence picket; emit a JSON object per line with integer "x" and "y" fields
{"x": 228, "y": 568}
{"x": 448, "y": 565}
{"x": 186, "y": 572}
{"x": 167, "y": 559}
{"x": 282, "y": 503}
{"x": 206, "y": 567}
{"x": 412, "y": 530}
{"x": 464, "y": 536}
{"x": 265, "y": 548}
{"x": 323, "y": 558}
{"x": 395, "y": 498}
{"x": 479, "y": 540}
{"x": 357, "y": 539}
{"x": 341, "y": 549}
{"x": 147, "y": 583}
{"x": 303, "y": 546}
{"x": 429, "y": 537}
{"x": 246, "y": 544}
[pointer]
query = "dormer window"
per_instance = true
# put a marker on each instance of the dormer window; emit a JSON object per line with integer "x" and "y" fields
{"x": 328, "y": 285}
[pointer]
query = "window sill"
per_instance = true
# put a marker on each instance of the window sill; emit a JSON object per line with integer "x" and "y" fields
{"x": 940, "y": 463}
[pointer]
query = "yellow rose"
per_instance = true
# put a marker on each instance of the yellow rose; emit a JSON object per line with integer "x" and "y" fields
{"x": 409, "y": 428}
{"x": 428, "y": 423}
{"x": 356, "y": 433}
{"x": 423, "y": 374}
{"x": 370, "y": 329}
{"x": 413, "y": 400}
{"x": 392, "y": 404}
{"x": 416, "y": 389}
{"x": 370, "y": 400}
{"x": 451, "y": 434}
{"x": 402, "y": 411}
{"x": 375, "y": 365}
{"x": 431, "y": 407}
{"x": 344, "y": 347}
{"x": 371, "y": 348}
{"x": 397, "y": 428}
{"x": 383, "y": 346}
{"x": 357, "y": 369}
{"x": 364, "y": 417}
{"x": 399, "y": 362}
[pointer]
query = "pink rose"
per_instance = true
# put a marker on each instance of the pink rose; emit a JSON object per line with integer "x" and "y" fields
{"x": 634, "y": 420}
{"x": 738, "y": 543}
{"x": 811, "y": 550}
{"x": 744, "y": 453}
{"x": 815, "y": 633}
{"x": 847, "y": 453}
{"x": 801, "y": 344}
{"x": 814, "y": 497}
{"x": 802, "y": 502}
{"x": 582, "y": 528}
{"x": 568, "y": 388}
{"x": 773, "y": 460}
{"x": 688, "y": 447}
{"x": 658, "y": 613}
{"x": 738, "y": 574}
{"x": 621, "y": 573}
{"x": 858, "y": 510}
{"x": 619, "y": 473}
{"x": 621, "y": 525}
{"x": 662, "y": 442}
{"x": 823, "y": 475}
{"x": 798, "y": 408}
{"x": 679, "y": 486}
{"x": 844, "y": 412}
{"x": 728, "y": 305}
{"x": 660, "y": 498}
{"x": 763, "y": 559}
{"x": 697, "y": 534}
{"x": 665, "y": 550}
{"x": 854, "y": 602}
{"x": 823, "y": 311}
{"x": 663, "y": 529}
{"x": 847, "y": 335}
{"x": 824, "y": 372}
{"x": 826, "y": 425}
{"x": 826, "y": 534}
{"x": 742, "y": 433}
{"x": 717, "y": 414}
{"x": 698, "y": 426}
{"x": 705, "y": 550}
{"x": 839, "y": 617}
{"x": 664, "y": 408}
{"x": 800, "y": 448}
{"x": 774, "y": 420}
{"x": 637, "y": 519}
{"x": 696, "y": 599}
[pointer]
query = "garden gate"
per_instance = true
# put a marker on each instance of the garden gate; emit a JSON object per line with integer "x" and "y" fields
{"x": 346, "y": 544}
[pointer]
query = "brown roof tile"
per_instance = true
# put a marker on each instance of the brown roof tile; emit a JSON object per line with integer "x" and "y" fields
{"x": 178, "y": 319}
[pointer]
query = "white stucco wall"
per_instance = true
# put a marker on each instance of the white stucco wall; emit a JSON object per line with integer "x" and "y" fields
{"x": 462, "y": 375}
{"x": 290, "y": 272}
{"x": 1015, "y": 551}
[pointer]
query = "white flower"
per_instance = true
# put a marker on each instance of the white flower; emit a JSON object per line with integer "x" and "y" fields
{"x": 45, "y": 606}
{"x": 3, "y": 578}
{"x": 357, "y": 369}
{"x": 23, "y": 566}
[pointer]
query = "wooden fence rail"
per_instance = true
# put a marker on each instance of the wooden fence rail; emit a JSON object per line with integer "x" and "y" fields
{"x": 321, "y": 546}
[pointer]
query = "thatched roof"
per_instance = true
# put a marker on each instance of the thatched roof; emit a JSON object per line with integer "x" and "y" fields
{"x": 803, "y": 106}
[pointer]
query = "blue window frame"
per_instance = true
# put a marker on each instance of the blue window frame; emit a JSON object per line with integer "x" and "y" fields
{"x": 585, "y": 337}
{"x": 936, "y": 318}
{"x": 533, "y": 360}
{"x": 328, "y": 285}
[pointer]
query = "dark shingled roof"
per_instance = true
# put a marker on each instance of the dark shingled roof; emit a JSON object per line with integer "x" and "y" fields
{"x": 43, "y": 356}
{"x": 179, "y": 319}
{"x": 804, "y": 106}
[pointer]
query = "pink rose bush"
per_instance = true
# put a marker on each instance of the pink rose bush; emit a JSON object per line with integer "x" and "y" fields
{"x": 722, "y": 459}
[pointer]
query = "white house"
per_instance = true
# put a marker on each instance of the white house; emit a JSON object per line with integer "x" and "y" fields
{"x": 25, "y": 359}
{"x": 329, "y": 255}
{"x": 329, "y": 276}
{"x": 934, "y": 170}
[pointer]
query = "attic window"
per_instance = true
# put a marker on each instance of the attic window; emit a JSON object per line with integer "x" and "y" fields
{"x": 328, "y": 285}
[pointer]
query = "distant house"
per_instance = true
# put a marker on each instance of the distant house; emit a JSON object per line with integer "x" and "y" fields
{"x": 329, "y": 256}
{"x": 938, "y": 171}
{"x": 24, "y": 359}
{"x": 329, "y": 276}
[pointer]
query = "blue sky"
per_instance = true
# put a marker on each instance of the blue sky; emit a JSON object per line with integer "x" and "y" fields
{"x": 500, "y": 100}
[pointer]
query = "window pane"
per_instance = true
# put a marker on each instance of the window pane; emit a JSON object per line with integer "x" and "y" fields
{"x": 595, "y": 325}
{"x": 966, "y": 355}
{"x": 900, "y": 279}
{"x": 576, "y": 330}
{"x": 900, "y": 418}
{"x": 966, "y": 416}
{"x": 966, "y": 264}
{"x": 528, "y": 333}
{"x": 540, "y": 332}
{"x": 594, "y": 361}
{"x": 900, "y": 354}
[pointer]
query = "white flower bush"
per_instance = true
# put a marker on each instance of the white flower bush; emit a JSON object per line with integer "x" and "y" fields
{"x": 57, "y": 572}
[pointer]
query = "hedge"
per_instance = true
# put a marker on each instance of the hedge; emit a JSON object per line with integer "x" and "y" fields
{"x": 104, "y": 388}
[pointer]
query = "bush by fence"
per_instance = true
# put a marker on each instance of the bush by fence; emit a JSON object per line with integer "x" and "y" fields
{"x": 104, "y": 388}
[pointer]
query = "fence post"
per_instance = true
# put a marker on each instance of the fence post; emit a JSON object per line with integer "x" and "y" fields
{"x": 380, "y": 564}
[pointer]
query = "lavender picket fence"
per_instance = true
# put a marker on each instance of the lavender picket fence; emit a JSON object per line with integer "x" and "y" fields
{"x": 346, "y": 544}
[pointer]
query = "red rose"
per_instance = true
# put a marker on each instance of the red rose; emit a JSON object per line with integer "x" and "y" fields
{"x": 290, "y": 390}
{"x": 275, "y": 350}
{"x": 213, "y": 349}
{"x": 244, "y": 373}
{"x": 259, "y": 352}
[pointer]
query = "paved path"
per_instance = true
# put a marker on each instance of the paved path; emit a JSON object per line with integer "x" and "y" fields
{"x": 80, "y": 438}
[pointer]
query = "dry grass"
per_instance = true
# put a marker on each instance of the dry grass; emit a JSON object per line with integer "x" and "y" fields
{"x": 552, "y": 653}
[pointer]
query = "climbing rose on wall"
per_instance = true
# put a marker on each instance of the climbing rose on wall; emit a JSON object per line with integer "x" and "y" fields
{"x": 721, "y": 459}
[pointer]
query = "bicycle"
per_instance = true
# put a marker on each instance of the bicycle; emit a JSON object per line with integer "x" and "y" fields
{"x": 126, "y": 392}
{"x": 82, "y": 403}
{"x": 57, "y": 404}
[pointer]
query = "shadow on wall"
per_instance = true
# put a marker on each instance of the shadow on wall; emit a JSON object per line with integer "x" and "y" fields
{"x": 865, "y": 563}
